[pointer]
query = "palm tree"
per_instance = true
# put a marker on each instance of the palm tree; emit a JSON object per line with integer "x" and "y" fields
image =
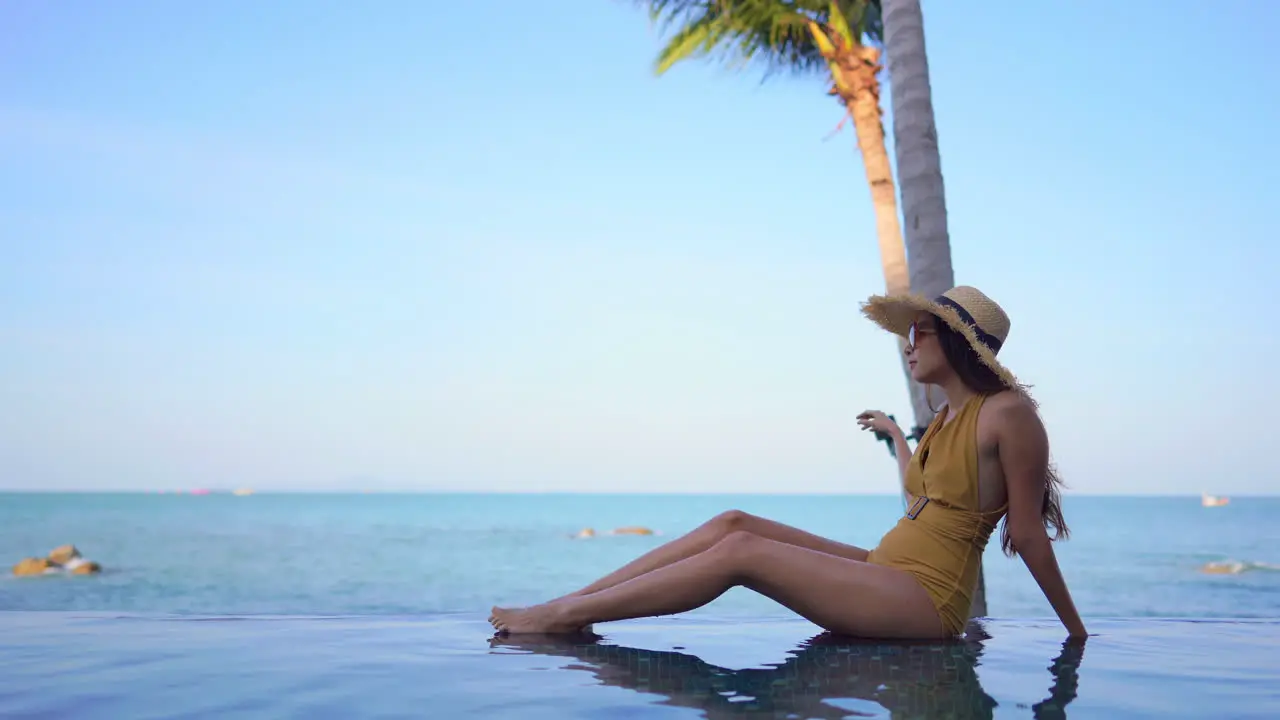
{"x": 915, "y": 144}
{"x": 836, "y": 40}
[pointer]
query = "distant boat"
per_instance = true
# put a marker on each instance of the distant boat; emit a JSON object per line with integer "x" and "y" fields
{"x": 199, "y": 491}
{"x": 1208, "y": 500}
{"x": 242, "y": 491}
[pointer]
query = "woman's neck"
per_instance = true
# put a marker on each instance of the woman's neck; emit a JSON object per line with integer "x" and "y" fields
{"x": 957, "y": 393}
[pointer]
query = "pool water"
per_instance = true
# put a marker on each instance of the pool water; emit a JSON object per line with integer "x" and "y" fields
{"x": 111, "y": 665}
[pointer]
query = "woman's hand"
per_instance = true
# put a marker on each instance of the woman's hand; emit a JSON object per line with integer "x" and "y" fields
{"x": 886, "y": 429}
{"x": 877, "y": 422}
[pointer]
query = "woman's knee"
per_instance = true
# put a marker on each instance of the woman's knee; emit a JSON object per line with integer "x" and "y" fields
{"x": 731, "y": 521}
{"x": 736, "y": 554}
{"x": 737, "y": 546}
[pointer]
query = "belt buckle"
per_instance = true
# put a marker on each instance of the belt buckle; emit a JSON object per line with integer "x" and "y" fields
{"x": 916, "y": 507}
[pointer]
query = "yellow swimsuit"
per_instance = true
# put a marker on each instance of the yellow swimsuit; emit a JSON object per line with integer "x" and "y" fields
{"x": 941, "y": 537}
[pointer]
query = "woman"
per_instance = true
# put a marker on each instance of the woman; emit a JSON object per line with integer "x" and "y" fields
{"x": 984, "y": 457}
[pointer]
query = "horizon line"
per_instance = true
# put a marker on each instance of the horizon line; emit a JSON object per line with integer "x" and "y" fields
{"x": 603, "y": 493}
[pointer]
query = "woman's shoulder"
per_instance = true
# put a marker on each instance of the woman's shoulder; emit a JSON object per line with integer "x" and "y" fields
{"x": 1012, "y": 410}
{"x": 1017, "y": 400}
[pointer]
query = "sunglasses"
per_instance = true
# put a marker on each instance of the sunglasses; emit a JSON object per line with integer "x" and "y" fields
{"x": 916, "y": 331}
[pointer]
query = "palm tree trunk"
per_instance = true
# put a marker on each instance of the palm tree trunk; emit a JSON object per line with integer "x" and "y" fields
{"x": 915, "y": 142}
{"x": 855, "y": 71}
{"x": 863, "y": 104}
{"x": 915, "y": 137}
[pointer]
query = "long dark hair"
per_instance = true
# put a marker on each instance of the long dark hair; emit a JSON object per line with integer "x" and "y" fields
{"x": 981, "y": 379}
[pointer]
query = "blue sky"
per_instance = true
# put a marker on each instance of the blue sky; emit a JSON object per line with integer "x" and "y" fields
{"x": 413, "y": 245}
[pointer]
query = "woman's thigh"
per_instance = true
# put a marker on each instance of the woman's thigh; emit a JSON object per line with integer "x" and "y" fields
{"x": 779, "y": 532}
{"x": 836, "y": 593}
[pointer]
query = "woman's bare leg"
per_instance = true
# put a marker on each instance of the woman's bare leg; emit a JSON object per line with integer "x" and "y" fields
{"x": 713, "y": 531}
{"x": 838, "y": 594}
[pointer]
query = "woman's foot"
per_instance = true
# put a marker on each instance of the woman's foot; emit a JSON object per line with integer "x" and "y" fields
{"x": 545, "y": 619}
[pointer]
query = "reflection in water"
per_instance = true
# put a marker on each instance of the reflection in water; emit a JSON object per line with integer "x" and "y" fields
{"x": 827, "y": 676}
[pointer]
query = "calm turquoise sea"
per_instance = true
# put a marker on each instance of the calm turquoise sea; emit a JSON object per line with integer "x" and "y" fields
{"x": 378, "y": 554}
{"x": 372, "y": 604}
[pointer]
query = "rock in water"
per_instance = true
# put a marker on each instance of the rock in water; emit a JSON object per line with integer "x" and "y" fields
{"x": 65, "y": 558}
{"x": 63, "y": 554}
{"x": 33, "y": 566}
{"x": 85, "y": 567}
{"x": 633, "y": 530}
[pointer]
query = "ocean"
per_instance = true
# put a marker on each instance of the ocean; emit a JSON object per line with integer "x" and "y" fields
{"x": 237, "y": 606}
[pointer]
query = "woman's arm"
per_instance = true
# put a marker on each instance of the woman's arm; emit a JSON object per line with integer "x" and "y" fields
{"x": 902, "y": 451}
{"x": 882, "y": 425}
{"x": 1024, "y": 458}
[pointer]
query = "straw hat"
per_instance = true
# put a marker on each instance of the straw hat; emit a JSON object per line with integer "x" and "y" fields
{"x": 967, "y": 310}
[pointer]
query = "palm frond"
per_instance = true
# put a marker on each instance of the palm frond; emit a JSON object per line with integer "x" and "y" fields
{"x": 697, "y": 37}
{"x": 773, "y": 34}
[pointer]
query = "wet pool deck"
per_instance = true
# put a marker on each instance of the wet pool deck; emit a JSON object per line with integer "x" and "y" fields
{"x": 72, "y": 665}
